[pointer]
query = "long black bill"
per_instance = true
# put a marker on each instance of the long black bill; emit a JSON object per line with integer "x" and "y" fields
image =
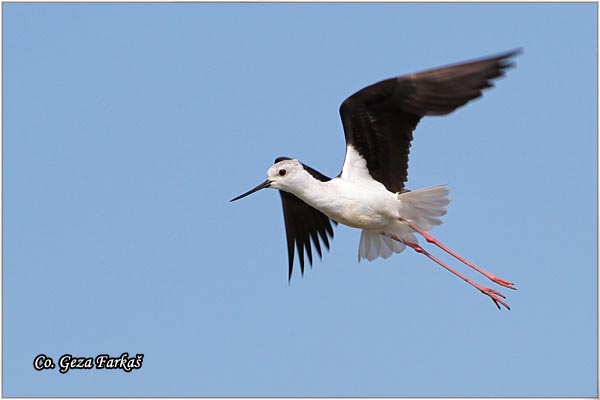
{"x": 263, "y": 185}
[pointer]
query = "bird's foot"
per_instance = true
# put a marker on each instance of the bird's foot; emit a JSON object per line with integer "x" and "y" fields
{"x": 494, "y": 295}
{"x": 501, "y": 282}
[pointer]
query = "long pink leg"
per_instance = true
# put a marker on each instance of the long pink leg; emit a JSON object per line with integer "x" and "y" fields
{"x": 494, "y": 295}
{"x": 433, "y": 240}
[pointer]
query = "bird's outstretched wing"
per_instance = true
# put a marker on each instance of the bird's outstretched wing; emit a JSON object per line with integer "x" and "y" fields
{"x": 304, "y": 223}
{"x": 379, "y": 119}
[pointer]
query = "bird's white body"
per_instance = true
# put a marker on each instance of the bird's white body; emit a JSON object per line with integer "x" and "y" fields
{"x": 357, "y": 200}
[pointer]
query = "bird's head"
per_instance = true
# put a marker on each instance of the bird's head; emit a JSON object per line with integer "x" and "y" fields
{"x": 282, "y": 175}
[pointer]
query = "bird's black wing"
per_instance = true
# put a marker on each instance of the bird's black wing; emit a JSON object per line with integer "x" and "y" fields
{"x": 379, "y": 120}
{"x": 304, "y": 223}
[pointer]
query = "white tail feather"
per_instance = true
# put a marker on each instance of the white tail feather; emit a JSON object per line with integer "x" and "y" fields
{"x": 373, "y": 245}
{"x": 423, "y": 206}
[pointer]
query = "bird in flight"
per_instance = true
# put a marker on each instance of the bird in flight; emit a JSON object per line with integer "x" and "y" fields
{"x": 369, "y": 193}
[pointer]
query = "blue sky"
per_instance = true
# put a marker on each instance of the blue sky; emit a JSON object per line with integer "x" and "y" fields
{"x": 128, "y": 127}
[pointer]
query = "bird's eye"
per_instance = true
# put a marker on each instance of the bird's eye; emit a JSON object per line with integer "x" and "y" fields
{"x": 282, "y": 172}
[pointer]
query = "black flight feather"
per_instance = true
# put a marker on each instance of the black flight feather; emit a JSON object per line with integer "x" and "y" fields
{"x": 304, "y": 224}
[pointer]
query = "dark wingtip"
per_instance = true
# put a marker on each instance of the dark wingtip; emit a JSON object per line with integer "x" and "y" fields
{"x": 506, "y": 63}
{"x": 517, "y": 51}
{"x": 513, "y": 52}
{"x": 509, "y": 53}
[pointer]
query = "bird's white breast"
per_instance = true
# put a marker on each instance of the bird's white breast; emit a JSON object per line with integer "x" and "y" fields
{"x": 366, "y": 206}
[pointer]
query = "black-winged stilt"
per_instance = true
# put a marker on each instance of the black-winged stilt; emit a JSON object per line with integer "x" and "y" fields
{"x": 369, "y": 193}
